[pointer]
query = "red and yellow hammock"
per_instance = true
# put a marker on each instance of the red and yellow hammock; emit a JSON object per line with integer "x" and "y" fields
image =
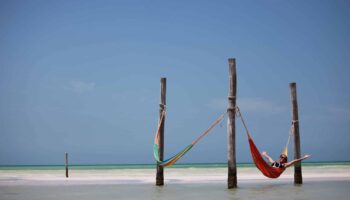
{"x": 259, "y": 161}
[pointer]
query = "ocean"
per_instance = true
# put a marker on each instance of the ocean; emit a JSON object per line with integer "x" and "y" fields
{"x": 152, "y": 166}
{"x": 323, "y": 180}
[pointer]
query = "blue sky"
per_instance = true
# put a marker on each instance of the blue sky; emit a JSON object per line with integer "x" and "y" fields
{"x": 83, "y": 77}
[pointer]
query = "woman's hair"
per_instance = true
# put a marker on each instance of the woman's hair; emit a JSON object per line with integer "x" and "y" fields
{"x": 283, "y": 158}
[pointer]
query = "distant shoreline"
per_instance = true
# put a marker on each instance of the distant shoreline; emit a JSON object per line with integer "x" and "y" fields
{"x": 208, "y": 173}
{"x": 151, "y": 166}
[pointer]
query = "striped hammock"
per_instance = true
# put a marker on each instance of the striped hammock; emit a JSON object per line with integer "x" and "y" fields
{"x": 172, "y": 160}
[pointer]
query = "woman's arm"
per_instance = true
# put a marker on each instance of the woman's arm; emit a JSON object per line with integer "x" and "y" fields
{"x": 295, "y": 161}
{"x": 267, "y": 156}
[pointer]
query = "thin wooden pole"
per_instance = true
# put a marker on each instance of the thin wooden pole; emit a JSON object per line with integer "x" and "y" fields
{"x": 231, "y": 125}
{"x": 66, "y": 164}
{"x": 298, "y": 179}
{"x": 160, "y": 170}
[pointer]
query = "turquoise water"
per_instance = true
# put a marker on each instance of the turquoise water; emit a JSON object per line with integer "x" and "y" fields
{"x": 152, "y": 166}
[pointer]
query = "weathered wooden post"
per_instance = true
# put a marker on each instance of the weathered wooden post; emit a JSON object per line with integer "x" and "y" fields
{"x": 160, "y": 170}
{"x": 66, "y": 164}
{"x": 298, "y": 179}
{"x": 231, "y": 125}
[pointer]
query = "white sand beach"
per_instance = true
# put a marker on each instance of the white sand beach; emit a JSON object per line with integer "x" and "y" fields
{"x": 172, "y": 175}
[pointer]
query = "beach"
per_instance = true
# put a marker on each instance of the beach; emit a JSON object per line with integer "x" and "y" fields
{"x": 322, "y": 181}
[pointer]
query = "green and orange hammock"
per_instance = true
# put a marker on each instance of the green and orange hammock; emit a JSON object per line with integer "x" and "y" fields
{"x": 261, "y": 164}
{"x": 172, "y": 160}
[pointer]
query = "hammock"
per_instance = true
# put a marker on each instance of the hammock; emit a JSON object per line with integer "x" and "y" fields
{"x": 265, "y": 168}
{"x": 172, "y": 160}
{"x": 260, "y": 163}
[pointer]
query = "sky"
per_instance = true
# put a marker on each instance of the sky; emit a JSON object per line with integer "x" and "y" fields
{"x": 83, "y": 77}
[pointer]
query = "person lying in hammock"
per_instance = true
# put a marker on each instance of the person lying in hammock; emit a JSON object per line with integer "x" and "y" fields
{"x": 283, "y": 161}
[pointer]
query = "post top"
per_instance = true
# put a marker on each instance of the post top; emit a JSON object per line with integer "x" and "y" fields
{"x": 232, "y": 60}
{"x": 292, "y": 84}
{"x": 162, "y": 78}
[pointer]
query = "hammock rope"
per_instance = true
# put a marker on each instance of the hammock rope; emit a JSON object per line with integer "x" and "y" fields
{"x": 259, "y": 161}
{"x": 172, "y": 160}
{"x": 291, "y": 132}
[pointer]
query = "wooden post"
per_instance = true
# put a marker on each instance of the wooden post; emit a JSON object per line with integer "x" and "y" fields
{"x": 66, "y": 158}
{"x": 298, "y": 179}
{"x": 231, "y": 125}
{"x": 160, "y": 170}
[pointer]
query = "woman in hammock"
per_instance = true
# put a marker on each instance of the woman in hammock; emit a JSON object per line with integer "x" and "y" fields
{"x": 283, "y": 160}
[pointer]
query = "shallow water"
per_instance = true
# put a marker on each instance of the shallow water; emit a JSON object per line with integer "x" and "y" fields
{"x": 321, "y": 181}
{"x": 261, "y": 190}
